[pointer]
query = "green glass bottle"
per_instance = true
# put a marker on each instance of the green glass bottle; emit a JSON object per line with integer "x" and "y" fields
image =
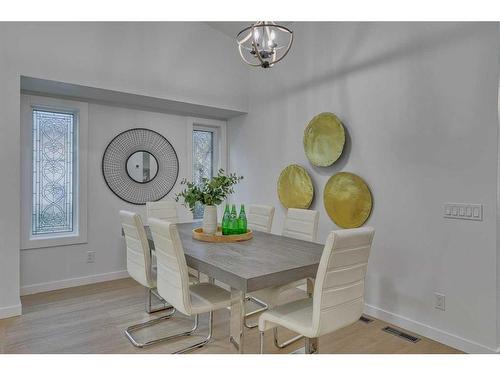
{"x": 242, "y": 220}
{"x": 233, "y": 221}
{"x": 225, "y": 221}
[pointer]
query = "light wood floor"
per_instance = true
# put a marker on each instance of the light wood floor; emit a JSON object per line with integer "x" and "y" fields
{"x": 92, "y": 318}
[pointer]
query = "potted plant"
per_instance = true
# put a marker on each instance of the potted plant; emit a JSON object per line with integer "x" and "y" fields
{"x": 210, "y": 193}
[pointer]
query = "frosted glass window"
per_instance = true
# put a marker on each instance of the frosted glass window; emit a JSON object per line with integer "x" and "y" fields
{"x": 53, "y": 167}
{"x": 203, "y": 161}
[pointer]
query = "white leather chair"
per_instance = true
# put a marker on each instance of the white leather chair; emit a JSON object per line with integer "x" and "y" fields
{"x": 164, "y": 210}
{"x": 299, "y": 224}
{"x": 173, "y": 282}
{"x": 260, "y": 217}
{"x": 140, "y": 268}
{"x": 339, "y": 289}
{"x": 139, "y": 257}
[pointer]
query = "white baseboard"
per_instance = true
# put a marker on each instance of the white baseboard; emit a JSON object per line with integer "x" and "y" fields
{"x": 10, "y": 311}
{"x": 433, "y": 333}
{"x": 68, "y": 283}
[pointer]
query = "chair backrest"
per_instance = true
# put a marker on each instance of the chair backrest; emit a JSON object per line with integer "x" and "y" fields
{"x": 164, "y": 210}
{"x": 172, "y": 272}
{"x": 339, "y": 289}
{"x": 138, "y": 251}
{"x": 301, "y": 224}
{"x": 260, "y": 217}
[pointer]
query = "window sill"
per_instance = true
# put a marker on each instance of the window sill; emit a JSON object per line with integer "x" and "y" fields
{"x": 38, "y": 243}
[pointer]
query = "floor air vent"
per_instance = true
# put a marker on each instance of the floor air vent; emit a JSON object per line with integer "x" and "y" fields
{"x": 365, "y": 319}
{"x": 397, "y": 332}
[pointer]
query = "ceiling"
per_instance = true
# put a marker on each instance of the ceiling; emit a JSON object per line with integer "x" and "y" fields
{"x": 232, "y": 29}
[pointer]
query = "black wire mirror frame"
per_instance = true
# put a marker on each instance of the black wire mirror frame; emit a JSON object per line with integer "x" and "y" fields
{"x": 160, "y": 185}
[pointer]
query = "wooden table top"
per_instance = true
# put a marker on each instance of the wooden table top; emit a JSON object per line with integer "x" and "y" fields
{"x": 264, "y": 261}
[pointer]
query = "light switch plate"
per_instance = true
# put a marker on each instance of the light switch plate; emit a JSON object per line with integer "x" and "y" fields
{"x": 463, "y": 211}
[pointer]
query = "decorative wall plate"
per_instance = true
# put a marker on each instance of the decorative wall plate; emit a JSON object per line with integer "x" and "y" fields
{"x": 295, "y": 188}
{"x": 140, "y": 165}
{"x": 324, "y": 139}
{"x": 347, "y": 200}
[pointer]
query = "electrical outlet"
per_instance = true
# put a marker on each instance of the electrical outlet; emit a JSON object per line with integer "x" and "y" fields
{"x": 90, "y": 256}
{"x": 439, "y": 301}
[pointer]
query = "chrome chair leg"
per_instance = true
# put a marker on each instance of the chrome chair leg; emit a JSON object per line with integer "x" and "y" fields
{"x": 149, "y": 323}
{"x": 310, "y": 291}
{"x": 257, "y": 301}
{"x": 261, "y": 342}
{"x": 149, "y": 308}
{"x": 203, "y": 342}
{"x": 286, "y": 343}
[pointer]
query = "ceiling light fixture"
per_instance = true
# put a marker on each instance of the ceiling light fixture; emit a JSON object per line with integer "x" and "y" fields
{"x": 264, "y": 43}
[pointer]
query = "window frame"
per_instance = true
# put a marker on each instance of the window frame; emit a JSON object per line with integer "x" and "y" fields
{"x": 80, "y": 111}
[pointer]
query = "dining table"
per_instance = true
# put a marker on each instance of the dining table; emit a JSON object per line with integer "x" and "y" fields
{"x": 266, "y": 260}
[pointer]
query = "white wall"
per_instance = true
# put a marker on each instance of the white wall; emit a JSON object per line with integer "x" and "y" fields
{"x": 10, "y": 303}
{"x": 419, "y": 102}
{"x": 188, "y": 62}
{"x": 50, "y": 268}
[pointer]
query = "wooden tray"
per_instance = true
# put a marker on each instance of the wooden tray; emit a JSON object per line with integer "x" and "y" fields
{"x": 218, "y": 237}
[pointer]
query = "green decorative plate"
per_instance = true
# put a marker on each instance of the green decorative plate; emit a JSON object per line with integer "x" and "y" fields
{"x": 295, "y": 188}
{"x": 324, "y": 139}
{"x": 347, "y": 199}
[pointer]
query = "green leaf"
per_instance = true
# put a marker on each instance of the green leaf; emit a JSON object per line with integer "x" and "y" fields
{"x": 210, "y": 191}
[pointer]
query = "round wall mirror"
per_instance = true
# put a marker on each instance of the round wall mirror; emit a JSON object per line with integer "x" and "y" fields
{"x": 142, "y": 167}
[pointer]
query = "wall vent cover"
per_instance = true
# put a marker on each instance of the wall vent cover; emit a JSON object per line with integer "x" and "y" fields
{"x": 403, "y": 335}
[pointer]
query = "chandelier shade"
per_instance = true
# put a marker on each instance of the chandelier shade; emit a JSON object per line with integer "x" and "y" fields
{"x": 264, "y": 43}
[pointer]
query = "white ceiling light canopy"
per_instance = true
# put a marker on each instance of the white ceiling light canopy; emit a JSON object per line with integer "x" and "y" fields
{"x": 264, "y": 43}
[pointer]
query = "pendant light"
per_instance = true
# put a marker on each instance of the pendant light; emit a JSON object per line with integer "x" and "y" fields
{"x": 264, "y": 43}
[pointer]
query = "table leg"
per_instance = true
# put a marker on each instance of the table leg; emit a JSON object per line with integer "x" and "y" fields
{"x": 310, "y": 287}
{"x": 311, "y": 346}
{"x": 237, "y": 318}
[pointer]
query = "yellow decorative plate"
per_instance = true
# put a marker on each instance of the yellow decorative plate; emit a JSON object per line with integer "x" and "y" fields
{"x": 324, "y": 139}
{"x": 295, "y": 188}
{"x": 347, "y": 199}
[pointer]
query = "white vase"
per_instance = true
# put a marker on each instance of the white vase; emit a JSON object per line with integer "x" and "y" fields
{"x": 210, "y": 219}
